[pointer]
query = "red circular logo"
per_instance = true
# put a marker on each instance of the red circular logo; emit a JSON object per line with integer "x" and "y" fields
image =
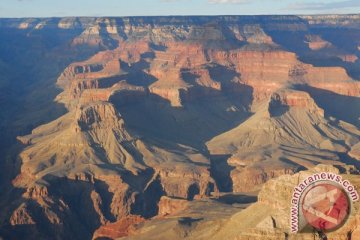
{"x": 325, "y": 206}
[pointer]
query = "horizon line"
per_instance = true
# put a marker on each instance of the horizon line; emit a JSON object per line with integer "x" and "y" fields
{"x": 184, "y": 15}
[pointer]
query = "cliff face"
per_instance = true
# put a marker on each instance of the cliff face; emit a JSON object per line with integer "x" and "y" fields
{"x": 170, "y": 109}
{"x": 268, "y": 218}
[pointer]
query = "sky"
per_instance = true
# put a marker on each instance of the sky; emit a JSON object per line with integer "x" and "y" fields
{"x": 60, "y": 8}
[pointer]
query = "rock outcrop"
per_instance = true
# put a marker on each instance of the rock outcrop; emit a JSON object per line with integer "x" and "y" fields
{"x": 268, "y": 218}
{"x": 168, "y": 206}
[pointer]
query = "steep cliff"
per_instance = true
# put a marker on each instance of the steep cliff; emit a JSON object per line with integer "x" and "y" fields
{"x": 268, "y": 218}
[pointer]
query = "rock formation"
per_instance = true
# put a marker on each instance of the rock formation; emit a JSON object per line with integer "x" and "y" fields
{"x": 163, "y": 112}
{"x": 268, "y": 218}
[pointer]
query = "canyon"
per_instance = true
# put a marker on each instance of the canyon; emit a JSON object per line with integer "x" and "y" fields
{"x": 173, "y": 127}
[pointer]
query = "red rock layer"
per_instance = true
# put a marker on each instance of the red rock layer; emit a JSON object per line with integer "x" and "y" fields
{"x": 117, "y": 229}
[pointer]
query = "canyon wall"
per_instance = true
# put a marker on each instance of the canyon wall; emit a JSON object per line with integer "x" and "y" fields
{"x": 162, "y": 111}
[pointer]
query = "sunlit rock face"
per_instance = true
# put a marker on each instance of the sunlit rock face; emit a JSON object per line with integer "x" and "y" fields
{"x": 157, "y": 113}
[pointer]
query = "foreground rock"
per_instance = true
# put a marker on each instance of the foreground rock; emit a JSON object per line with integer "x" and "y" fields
{"x": 268, "y": 218}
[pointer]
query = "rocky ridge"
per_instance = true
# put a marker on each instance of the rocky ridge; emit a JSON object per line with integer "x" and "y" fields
{"x": 268, "y": 218}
